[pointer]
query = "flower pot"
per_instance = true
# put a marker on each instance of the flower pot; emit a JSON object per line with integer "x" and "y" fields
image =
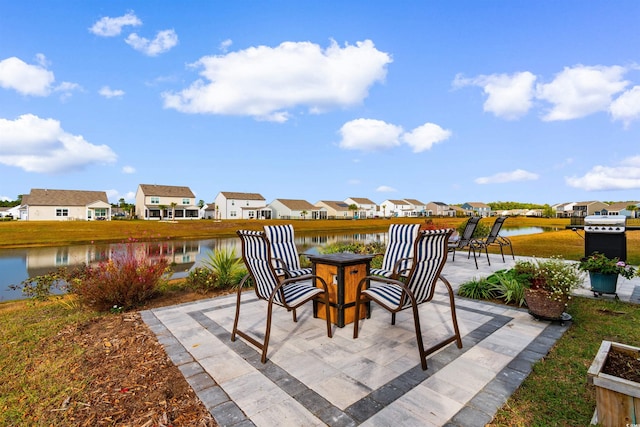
{"x": 542, "y": 304}
{"x": 604, "y": 283}
{"x": 617, "y": 399}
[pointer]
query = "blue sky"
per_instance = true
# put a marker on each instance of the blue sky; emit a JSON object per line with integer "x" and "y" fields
{"x": 452, "y": 101}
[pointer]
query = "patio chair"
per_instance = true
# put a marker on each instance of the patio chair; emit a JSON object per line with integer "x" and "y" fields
{"x": 430, "y": 255}
{"x": 397, "y": 257}
{"x": 494, "y": 239}
{"x": 286, "y": 260}
{"x": 465, "y": 240}
{"x": 289, "y": 293}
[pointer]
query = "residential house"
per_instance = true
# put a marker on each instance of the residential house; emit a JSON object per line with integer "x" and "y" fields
{"x": 236, "y": 205}
{"x": 157, "y": 202}
{"x": 336, "y": 209}
{"x": 62, "y": 205}
{"x": 295, "y": 209}
{"x": 366, "y": 208}
{"x": 621, "y": 208}
{"x": 208, "y": 211}
{"x": 440, "y": 209}
{"x": 477, "y": 208}
{"x": 582, "y": 209}
{"x": 417, "y": 207}
{"x": 563, "y": 210}
{"x": 395, "y": 208}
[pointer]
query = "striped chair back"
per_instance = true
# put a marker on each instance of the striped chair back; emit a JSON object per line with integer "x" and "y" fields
{"x": 257, "y": 257}
{"x": 430, "y": 255}
{"x": 282, "y": 244}
{"x": 401, "y": 240}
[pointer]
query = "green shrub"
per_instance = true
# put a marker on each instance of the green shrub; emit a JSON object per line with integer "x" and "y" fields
{"x": 201, "y": 279}
{"x": 371, "y": 248}
{"x": 476, "y": 289}
{"x": 506, "y": 286}
{"x": 226, "y": 266}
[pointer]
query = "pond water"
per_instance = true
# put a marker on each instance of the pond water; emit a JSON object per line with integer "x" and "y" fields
{"x": 17, "y": 265}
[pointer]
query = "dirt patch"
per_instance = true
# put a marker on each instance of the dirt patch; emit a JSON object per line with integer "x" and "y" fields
{"x": 130, "y": 381}
{"x": 622, "y": 365}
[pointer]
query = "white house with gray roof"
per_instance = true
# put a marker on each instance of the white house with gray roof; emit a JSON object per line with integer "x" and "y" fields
{"x": 366, "y": 207}
{"x": 296, "y": 209}
{"x": 336, "y": 209}
{"x": 237, "y": 205}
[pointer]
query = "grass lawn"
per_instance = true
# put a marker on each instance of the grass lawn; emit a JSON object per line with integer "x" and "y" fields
{"x": 38, "y": 372}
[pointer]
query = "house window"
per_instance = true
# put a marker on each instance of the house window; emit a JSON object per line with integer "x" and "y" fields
{"x": 186, "y": 201}
{"x": 155, "y": 200}
{"x": 62, "y": 212}
{"x": 233, "y": 214}
{"x": 101, "y": 213}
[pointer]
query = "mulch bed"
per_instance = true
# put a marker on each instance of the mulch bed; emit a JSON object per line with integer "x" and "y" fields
{"x": 131, "y": 381}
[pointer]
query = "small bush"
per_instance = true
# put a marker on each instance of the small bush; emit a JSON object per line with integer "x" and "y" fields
{"x": 226, "y": 267}
{"x": 482, "y": 230}
{"x": 201, "y": 279}
{"x": 477, "y": 289}
{"x": 372, "y": 248}
{"x": 126, "y": 280}
{"x": 506, "y": 286}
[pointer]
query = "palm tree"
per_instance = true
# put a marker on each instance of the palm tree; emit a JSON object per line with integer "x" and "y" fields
{"x": 173, "y": 210}
{"x": 303, "y": 213}
{"x": 353, "y": 208}
{"x": 162, "y": 209}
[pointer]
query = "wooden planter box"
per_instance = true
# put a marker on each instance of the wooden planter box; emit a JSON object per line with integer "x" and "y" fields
{"x": 617, "y": 399}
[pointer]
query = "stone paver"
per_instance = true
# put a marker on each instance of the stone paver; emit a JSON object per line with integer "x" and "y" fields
{"x": 312, "y": 380}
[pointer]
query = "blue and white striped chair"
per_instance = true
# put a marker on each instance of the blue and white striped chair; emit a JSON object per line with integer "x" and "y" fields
{"x": 283, "y": 249}
{"x": 397, "y": 257}
{"x": 429, "y": 257}
{"x": 289, "y": 293}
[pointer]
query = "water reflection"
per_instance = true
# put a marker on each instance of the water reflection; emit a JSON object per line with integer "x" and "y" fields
{"x": 17, "y": 265}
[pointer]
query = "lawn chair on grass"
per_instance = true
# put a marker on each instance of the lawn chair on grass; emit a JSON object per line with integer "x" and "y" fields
{"x": 397, "y": 257}
{"x": 429, "y": 257}
{"x": 289, "y": 293}
{"x": 465, "y": 240}
{"x": 494, "y": 239}
{"x": 286, "y": 260}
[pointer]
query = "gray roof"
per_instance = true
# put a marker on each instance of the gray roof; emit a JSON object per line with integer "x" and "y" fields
{"x": 335, "y": 205}
{"x": 297, "y": 205}
{"x": 46, "y": 197}
{"x": 166, "y": 190}
{"x": 362, "y": 200}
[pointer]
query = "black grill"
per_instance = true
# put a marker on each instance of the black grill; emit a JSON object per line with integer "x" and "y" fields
{"x": 606, "y": 235}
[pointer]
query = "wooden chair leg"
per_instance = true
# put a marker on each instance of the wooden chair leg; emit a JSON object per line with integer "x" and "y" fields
{"x": 235, "y": 321}
{"x": 393, "y": 318}
{"x": 267, "y": 332}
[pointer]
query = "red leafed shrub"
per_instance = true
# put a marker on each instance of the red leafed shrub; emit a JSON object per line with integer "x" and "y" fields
{"x": 124, "y": 281}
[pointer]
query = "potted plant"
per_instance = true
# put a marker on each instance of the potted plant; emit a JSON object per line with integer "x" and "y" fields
{"x": 604, "y": 272}
{"x": 548, "y": 286}
{"x": 615, "y": 373}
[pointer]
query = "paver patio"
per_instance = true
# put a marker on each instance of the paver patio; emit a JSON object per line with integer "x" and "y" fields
{"x": 375, "y": 380}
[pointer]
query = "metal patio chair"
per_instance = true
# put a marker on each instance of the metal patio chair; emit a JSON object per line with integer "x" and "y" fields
{"x": 289, "y": 293}
{"x": 494, "y": 239}
{"x": 465, "y": 240}
{"x": 430, "y": 255}
{"x": 399, "y": 252}
{"x": 283, "y": 249}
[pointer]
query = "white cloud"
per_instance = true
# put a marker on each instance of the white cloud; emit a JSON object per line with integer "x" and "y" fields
{"x": 424, "y": 137}
{"x": 225, "y": 45}
{"x": 503, "y": 177}
{"x": 107, "y": 92}
{"x": 582, "y": 90}
{"x": 354, "y": 182}
{"x": 26, "y": 79}
{"x": 164, "y": 41}
{"x": 128, "y": 169}
{"x": 41, "y": 145}
{"x": 386, "y": 189}
{"x": 625, "y": 176}
{"x": 508, "y": 96}
{"x": 369, "y": 135}
{"x": 109, "y": 27}
{"x": 627, "y": 106}
{"x": 267, "y": 82}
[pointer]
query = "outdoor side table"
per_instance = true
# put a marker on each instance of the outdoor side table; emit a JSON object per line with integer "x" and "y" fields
{"x": 342, "y": 272}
